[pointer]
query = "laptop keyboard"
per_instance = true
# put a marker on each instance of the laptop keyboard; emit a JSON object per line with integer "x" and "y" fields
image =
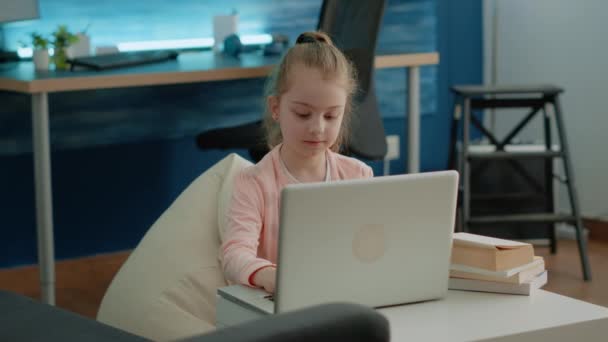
{"x": 122, "y": 59}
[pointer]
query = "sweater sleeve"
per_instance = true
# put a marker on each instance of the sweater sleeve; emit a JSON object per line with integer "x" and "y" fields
{"x": 242, "y": 236}
{"x": 368, "y": 172}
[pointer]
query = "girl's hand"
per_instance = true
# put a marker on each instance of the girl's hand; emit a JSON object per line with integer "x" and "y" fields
{"x": 265, "y": 278}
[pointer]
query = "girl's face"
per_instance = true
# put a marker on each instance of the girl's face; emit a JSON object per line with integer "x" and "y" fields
{"x": 310, "y": 113}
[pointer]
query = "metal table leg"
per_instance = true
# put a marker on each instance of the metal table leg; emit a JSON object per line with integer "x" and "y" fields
{"x": 44, "y": 202}
{"x": 413, "y": 120}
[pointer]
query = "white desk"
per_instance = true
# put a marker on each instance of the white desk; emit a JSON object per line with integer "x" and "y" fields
{"x": 467, "y": 316}
{"x": 188, "y": 68}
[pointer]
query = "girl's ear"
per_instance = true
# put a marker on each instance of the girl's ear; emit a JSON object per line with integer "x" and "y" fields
{"x": 273, "y": 105}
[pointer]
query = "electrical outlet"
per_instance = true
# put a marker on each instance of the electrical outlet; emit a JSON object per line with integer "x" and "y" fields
{"x": 392, "y": 152}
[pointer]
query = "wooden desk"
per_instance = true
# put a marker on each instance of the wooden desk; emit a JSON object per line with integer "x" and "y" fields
{"x": 188, "y": 68}
{"x": 467, "y": 316}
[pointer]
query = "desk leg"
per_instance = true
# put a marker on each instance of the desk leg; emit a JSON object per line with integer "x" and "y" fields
{"x": 413, "y": 120}
{"x": 44, "y": 202}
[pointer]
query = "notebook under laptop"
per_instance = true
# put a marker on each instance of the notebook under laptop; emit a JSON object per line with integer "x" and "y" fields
{"x": 378, "y": 242}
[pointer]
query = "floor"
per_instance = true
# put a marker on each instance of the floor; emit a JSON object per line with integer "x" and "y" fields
{"x": 565, "y": 275}
{"x": 81, "y": 283}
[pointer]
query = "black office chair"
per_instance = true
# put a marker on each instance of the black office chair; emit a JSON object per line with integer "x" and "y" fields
{"x": 353, "y": 25}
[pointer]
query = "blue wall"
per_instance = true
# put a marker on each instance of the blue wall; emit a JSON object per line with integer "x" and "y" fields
{"x": 119, "y": 160}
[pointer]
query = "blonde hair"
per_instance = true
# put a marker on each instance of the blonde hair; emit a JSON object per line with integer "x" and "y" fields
{"x": 313, "y": 50}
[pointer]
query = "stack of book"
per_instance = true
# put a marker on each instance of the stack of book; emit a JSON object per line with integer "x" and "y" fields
{"x": 487, "y": 264}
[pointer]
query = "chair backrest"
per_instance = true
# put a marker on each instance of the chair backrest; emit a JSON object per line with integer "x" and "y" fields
{"x": 353, "y": 25}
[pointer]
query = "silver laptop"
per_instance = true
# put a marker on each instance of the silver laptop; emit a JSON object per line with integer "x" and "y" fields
{"x": 378, "y": 242}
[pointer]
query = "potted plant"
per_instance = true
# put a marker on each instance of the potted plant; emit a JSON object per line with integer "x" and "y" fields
{"x": 62, "y": 39}
{"x": 40, "y": 55}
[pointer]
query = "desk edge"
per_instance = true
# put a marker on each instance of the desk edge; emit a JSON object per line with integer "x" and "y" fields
{"x": 182, "y": 77}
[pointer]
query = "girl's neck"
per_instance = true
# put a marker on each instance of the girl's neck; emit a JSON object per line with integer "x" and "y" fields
{"x": 305, "y": 170}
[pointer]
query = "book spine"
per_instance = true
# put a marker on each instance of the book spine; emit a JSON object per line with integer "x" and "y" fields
{"x": 474, "y": 257}
{"x": 514, "y": 279}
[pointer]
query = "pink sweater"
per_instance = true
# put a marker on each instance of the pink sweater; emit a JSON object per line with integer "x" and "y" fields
{"x": 251, "y": 236}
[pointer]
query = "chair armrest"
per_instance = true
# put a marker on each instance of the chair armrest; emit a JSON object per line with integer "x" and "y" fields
{"x": 328, "y": 322}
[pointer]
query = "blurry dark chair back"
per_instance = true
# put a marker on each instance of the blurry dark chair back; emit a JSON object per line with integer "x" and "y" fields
{"x": 353, "y": 25}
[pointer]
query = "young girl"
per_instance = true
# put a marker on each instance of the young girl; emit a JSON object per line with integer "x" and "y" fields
{"x": 307, "y": 114}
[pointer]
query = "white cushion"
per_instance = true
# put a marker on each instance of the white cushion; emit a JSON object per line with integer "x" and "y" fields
{"x": 166, "y": 289}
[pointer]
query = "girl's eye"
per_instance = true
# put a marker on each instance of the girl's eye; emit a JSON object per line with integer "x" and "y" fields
{"x": 331, "y": 115}
{"x": 302, "y": 115}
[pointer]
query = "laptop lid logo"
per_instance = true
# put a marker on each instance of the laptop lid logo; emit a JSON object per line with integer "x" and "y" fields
{"x": 369, "y": 243}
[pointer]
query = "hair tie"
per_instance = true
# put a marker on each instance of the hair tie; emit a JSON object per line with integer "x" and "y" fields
{"x": 304, "y": 38}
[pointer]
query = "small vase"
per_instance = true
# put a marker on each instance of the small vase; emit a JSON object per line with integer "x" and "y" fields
{"x": 41, "y": 59}
{"x": 81, "y": 48}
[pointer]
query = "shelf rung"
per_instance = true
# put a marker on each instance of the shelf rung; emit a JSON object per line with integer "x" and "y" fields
{"x": 514, "y": 155}
{"x": 508, "y": 196}
{"x": 522, "y": 218}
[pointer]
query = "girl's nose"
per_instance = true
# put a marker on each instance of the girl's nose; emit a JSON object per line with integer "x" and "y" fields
{"x": 317, "y": 125}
